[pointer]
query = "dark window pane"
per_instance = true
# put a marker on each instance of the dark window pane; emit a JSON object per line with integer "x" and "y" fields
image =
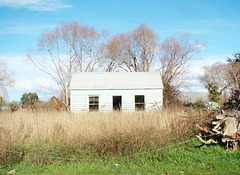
{"x": 139, "y": 107}
{"x": 93, "y": 103}
{"x": 139, "y": 98}
{"x": 93, "y": 107}
{"x": 139, "y": 103}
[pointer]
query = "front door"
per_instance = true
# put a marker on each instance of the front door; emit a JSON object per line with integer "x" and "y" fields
{"x": 117, "y": 103}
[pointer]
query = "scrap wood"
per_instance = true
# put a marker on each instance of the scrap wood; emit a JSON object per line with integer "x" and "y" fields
{"x": 227, "y": 127}
{"x": 205, "y": 130}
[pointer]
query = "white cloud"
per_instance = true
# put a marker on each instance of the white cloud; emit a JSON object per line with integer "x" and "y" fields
{"x": 199, "y": 89}
{"x": 23, "y": 28}
{"x": 38, "y": 5}
{"x": 196, "y": 68}
{"x": 44, "y": 83}
{"x": 194, "y": 81}
{"x": 195, "y": 71}
{"x": 200, "y": 47}
{"x": 23, "y": 84}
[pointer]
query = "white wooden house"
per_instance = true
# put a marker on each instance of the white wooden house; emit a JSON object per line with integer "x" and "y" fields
{"x": 109, "y": 91}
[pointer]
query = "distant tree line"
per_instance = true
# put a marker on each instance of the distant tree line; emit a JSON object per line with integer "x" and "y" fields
{"x": 31, "y": 100}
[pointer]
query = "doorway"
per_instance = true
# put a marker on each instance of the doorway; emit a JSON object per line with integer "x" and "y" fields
{"x": 117, "y": 103}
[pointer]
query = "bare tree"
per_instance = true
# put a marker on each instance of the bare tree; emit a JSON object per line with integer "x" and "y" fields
{"x": 224, "y": 75}
{"x": 215, "y": 74}
{"x": 175, "y": 54}
{"x": 70, "y": 47}
{"x": 133, "y": 51}
{"x": 6, "y": 79}
{"x": 233, "y": 72}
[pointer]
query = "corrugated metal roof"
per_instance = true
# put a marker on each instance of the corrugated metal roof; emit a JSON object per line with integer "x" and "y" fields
{"x": 116, "y": 80}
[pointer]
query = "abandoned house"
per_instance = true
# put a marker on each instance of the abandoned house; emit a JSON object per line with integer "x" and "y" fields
{"x": 120, "y": 91}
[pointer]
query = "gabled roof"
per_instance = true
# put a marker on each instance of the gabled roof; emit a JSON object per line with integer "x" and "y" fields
{"x": 116, "y": 80}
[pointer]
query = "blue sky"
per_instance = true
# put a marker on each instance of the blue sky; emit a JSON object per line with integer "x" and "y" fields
{"x": 216, "y": 23}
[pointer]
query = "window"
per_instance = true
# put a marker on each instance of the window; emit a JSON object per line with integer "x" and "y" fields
{"x": 93, "y": 103}
{"x": 139, "y": 103}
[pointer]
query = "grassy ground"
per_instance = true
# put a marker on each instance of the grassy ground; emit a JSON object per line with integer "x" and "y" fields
{"x": 188, "y": 158}
{"x": 39, "y": 141}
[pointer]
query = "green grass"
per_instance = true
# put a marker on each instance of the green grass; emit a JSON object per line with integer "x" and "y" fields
{"x": 188, "y": 158}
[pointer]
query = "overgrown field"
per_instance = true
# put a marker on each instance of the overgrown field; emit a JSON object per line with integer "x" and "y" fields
{"x": 45, "y": 139}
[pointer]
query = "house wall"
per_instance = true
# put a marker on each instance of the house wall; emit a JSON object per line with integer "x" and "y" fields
{"x": 80, "y": 99}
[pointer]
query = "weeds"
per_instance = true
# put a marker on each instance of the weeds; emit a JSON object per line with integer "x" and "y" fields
{"x": 92, "y": 135}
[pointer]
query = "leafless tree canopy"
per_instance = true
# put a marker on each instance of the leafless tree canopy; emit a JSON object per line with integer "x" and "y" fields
{"x": 233, "y": 75}
{"x": 175, "y": 54}
{"x": 6, "y": 79}
{"x": 214, "y": 74}
{"x": 70, "y": 47}
{"x": 133, "y": 51}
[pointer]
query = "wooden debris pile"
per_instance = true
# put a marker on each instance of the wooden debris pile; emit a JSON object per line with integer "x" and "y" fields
{"x": 224, "y": 129}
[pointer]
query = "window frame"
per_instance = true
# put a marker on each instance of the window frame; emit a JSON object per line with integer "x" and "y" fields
{"x": 140, "y": 103}
{"x": 93, "y": 103}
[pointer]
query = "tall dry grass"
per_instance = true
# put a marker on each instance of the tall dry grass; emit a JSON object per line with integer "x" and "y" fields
{"x": 94, "y": 134}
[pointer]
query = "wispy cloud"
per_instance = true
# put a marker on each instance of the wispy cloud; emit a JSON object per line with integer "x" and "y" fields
{"x": 23, "y": 28}
{"x": 211, "y": 23}
{"x": 24, "y": 84}
{"x": 193, "y": 84}
{"x": 206, "y": 26}
{"x": 35, "y": 5}
{"x": 200, "y": 47}
{"x": 45, "y": 84}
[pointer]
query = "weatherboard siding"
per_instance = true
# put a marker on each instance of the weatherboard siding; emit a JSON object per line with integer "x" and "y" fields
{"x": 80, "y": 99}
{"x": 153, "y": 99}
{"x": 78, "y": 102}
